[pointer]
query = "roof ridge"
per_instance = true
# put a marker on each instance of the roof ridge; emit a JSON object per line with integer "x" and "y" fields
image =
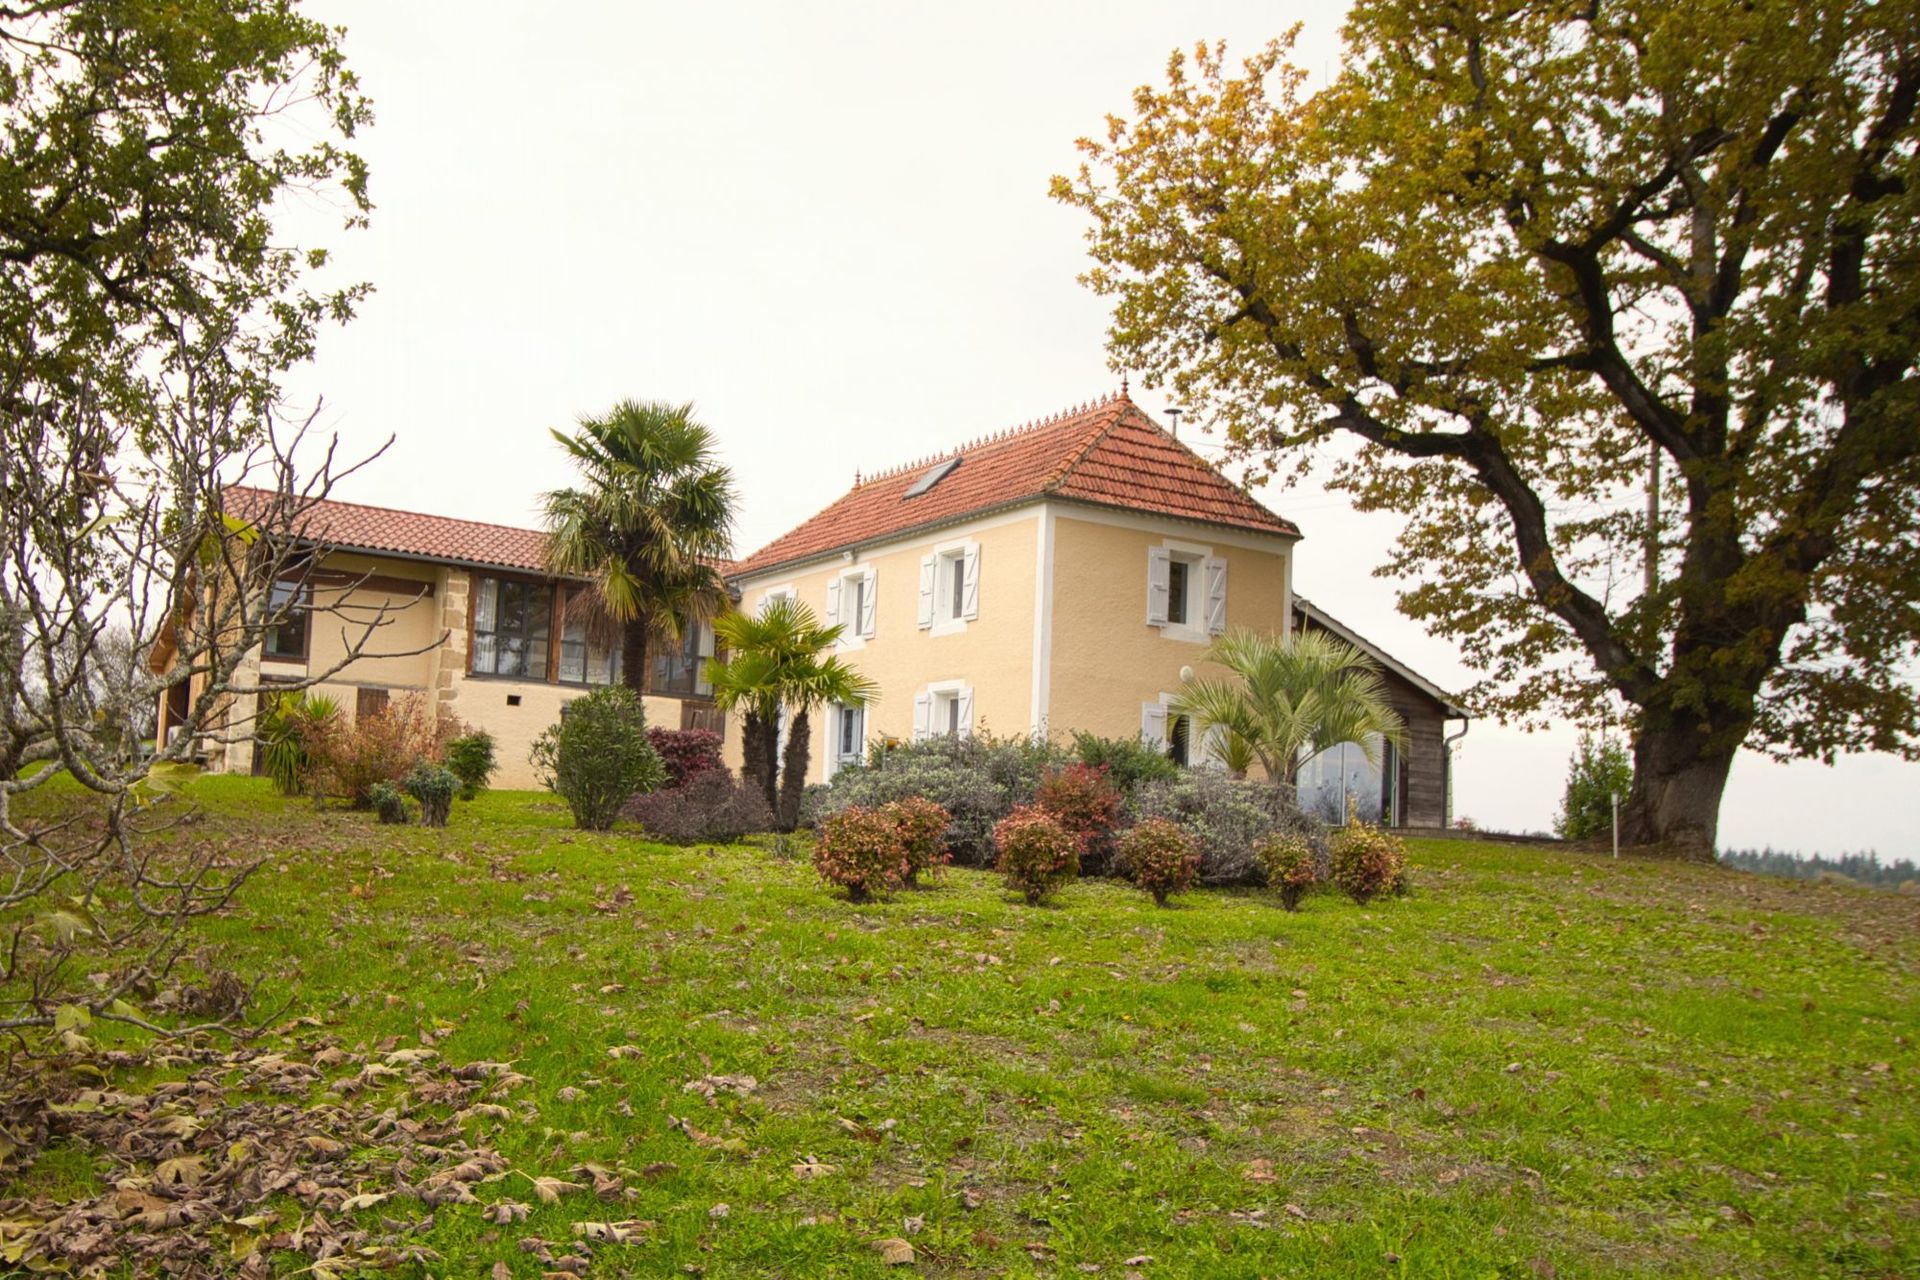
{"x": 992, "y": 438}
{"x": 1079, "y": 455}
{"x": 394, "y": 511}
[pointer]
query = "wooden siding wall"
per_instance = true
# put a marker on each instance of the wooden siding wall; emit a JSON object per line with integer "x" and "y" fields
{"x": 1423, "y": 771}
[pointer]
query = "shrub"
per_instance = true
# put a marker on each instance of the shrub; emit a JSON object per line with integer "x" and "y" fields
{"x": 861, "y": 850}
{"x": 1086, "y": 804}
{"x": 286, "y": 729}
{"x": 1037, "y": 853}
{"x": 922, "y": 825}
{"x": 972, "y": 801}
{"x": 470, "y": 758}
{"x": 1231, "y": 818}
{"x": 1597, "y": 771}
{"x": 1291, "y": 866}
{"x": 1368, "y": 861}
{"x": 434, "y": 787}
{"x": 598, "y": 757}
{"x": 349, "y": 757}
{"x": 709, "y": 808}
{"x": 686, "y": 753}
{"x": 1161, "y": 858}
{"x": 1129, "y": 762}
{"x": 388, "y": 803}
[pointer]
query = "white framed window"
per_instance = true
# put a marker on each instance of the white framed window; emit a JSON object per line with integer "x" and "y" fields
{"x": 1178, "y": 737}
{"x": 846, "y": 737}
{"x": 943, "y": 710}
{"x": 950, "y": 587}
{"x": 852, "y": 603}
{"x": 767, "y": 597}
{"x": 1186, "y": 591}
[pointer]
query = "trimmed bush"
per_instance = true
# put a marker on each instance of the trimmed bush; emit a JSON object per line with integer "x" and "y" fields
{"x": 709, "y": 808}
{"x": 860, "y": 849}
{"x": 1037, "y": 853}
{"x": 922, "y": 825}
{"x": 286, "y": 730}
{"x": 1088, "y": 805}
{"x": 1231, "y": 818}
{"x": 434, "y": 787}
{"x": 1368, "y": 862}
{"x": 686, "y": 753}
{"x": 598, "y": 757}
{"x": 1291, "y": 866}
{"x": 388, "y": 803}
{"x": 1161, "y": 858}
{"x": 1129, "y": 762}
{"x": 470, "y": 758}
{"x": 348, "y": 757}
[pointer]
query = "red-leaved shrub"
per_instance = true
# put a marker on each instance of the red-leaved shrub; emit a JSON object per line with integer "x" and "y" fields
{"x": 687, "y": 753}
{"x": 922, "y": 825}
{"x": 1084, "y": 800}
{"x": 1037, "y": 853}
{"x": 1161, "y": 858}
{"x": 861, "y": 850}
{"x": 709, "y": 808}
{"x": 1367, "y": 861}
{"x": 1289, "y": 861}
{"x": 348, "y": 757}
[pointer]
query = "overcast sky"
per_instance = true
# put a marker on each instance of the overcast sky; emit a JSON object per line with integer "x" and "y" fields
{"x": 828, "y": 226}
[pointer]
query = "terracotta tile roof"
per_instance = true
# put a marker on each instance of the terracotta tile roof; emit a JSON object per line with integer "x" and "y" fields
{"x": 352, "y": 526}
{"x": 1107, "y": 454}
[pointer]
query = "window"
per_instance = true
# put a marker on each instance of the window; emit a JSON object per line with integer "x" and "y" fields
{"x": 854, "y": 602}
{"x": 512, "y": 625}
{"x": 852, "y": 598}
{"x": 1179, "y": 740}
{"x": 683, "y": 670}
{"x": 1177, "y": 574}
{"x": 369, "y": 702}
{"x": 950, "y": 587}
{"x": 1341, "y": 778}
{"x": 954, "y": 569}
{"x": 287, "y": 639}
{"x": 849, "y": 735}
{"x": 943, "y": 711}
{"x": 589, "y": 648}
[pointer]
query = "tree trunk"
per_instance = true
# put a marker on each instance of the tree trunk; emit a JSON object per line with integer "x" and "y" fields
{"x": 793, "y": 776}
{"x": 758, "y": 741}
{"x": 1673, "y": 806}
{"x": 633, "y": 655}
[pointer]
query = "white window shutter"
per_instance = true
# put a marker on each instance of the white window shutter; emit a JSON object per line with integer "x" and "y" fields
{"x": 1159, "y": 587}
{"x": 922, "y": 715}
{"x": 833, "y": 603}
{"x": 971, "y": 563}
{"x": 1153, "y": 725}
{"x": 1216, "y": 595}
{"x": 965, "y": 699}
{"x": 701, "y": 685}
{"x": 868, "y": 608}
{"x": 928, "y": 571}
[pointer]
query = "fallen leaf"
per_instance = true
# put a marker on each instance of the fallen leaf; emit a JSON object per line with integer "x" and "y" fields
{"x": 894, "y": 1251}
{"x": 551, "y": 1189}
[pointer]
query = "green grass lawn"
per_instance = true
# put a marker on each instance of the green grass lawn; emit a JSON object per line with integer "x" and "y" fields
{"x": 1539, "y": 1063}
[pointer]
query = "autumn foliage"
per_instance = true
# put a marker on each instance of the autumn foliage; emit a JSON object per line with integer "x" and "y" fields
{"x": 1290, "y": 866}
{"x": 861, "y": 850}
{"x": 1368, "y": 861}
{"x": 1037, "y": 853}
{"x": 1083, "y": 800}
{"x": 1161, "y": 858}
{"x": 922, "y": 828}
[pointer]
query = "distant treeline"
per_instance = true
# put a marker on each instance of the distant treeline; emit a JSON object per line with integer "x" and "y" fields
{"x": 1861, "y": 868}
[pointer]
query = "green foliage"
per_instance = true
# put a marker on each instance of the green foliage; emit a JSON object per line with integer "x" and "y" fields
{"x": 434, "y": 787}
{"x": 1511, "y": 259}
{"x": 1129, "y": 762}
{"x": 1230, "y": 817}
{"x": 285, "y": 728}
{"x": 1288, "y": 696}
{"x": 1291, "y": 865}
{"x": 349, "y": 756}
{"x": 863, "y": 851}
{"x": 1086, "y": 803}
{"x": 471, "y": 759}
{"x": 1160, "y": 858}
{"x": 1857, "y": 868}
{"x": 1367, "y": 861}
{"x": 977, "y": 780}
{"x": 653, "y": 517}
{"x": 922, "y": 825}
{"x": 389, "y": 803}
{"x": 597, "y": 756}
{"x": 1599, "y": 770}
{"x": 1035, "y": 852}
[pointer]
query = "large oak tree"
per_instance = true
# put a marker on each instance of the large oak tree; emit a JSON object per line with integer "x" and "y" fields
{"x": 1514, "y": 257}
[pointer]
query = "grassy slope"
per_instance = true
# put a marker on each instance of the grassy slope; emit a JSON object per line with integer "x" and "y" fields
{"x": 1539, "y": 1062}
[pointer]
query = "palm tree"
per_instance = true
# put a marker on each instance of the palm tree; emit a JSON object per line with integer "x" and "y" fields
{"x": 778, "y": 660}
{"x": 654, "y": 515}
{"x": 1289, "y": 696}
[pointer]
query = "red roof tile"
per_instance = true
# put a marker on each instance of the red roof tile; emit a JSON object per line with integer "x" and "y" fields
{"x": 352, "y": 526}
{"x": 1108, "y": 454}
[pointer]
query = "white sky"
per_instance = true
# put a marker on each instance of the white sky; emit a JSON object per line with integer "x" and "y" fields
{"x": 828, "y": 226}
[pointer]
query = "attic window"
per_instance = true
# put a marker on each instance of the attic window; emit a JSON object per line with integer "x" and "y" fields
{"x": 934, "y": 476}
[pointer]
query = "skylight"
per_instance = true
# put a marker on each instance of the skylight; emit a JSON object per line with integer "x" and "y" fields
{"x": 933, "y": 476}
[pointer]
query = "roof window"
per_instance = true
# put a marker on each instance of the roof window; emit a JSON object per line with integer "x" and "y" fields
{"x": 933, "y": 476}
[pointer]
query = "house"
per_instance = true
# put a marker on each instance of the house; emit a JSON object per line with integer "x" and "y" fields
{"x": 473, "y": 621}
{"x": 1062, "y": 577}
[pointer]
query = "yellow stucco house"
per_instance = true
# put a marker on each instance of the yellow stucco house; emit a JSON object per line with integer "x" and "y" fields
{"x": 1045, "y": 580}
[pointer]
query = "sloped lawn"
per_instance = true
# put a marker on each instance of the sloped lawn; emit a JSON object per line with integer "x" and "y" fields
{"x": 1538, "y": 1064}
